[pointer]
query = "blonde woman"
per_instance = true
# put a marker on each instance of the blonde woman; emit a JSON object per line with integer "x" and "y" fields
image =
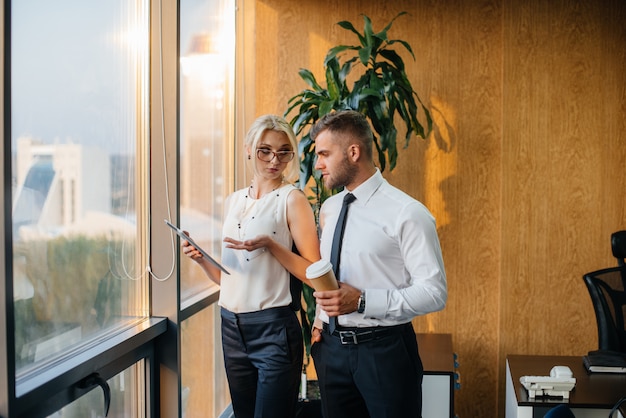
{"x": 261, "y": 335}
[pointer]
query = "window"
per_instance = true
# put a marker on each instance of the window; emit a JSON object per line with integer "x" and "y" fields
{"x": 96, "y": 95}
{"x": 206, "y": 147}
{"x": 78, "y": 103}
{"x": 78, "y": 115}
{"x": 206, "y": 123}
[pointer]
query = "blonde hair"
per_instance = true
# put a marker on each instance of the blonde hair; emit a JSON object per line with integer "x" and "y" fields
{"x": 278, "y": 124}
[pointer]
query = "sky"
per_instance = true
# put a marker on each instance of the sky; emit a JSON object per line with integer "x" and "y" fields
{"x": 67, "y": 75}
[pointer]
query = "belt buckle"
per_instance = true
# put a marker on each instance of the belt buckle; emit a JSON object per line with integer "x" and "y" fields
{"x": 348, "y": 337}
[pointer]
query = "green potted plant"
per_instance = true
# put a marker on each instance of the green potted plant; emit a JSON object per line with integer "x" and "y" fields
{"x": 382, "y": 92}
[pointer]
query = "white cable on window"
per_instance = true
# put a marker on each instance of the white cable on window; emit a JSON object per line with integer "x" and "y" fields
{"x": 148, "y": 269}
{"x": 163, "y": 143}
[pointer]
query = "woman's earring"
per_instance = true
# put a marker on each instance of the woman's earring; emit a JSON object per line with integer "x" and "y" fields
{"x": 249, "y": 156}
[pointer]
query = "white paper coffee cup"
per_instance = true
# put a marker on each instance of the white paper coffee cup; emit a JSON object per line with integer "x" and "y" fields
{"x": 322, "y": 276}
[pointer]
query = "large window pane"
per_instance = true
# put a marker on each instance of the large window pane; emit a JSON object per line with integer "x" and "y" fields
{"x": 78, "y": 115}
{"x": 206, "y": 125}
{"x": 206, "y": 147}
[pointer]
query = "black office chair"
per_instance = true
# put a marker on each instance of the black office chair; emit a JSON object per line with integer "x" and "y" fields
{"x": 619, "y": 406}
{"x": 563, "y": 411}
{"x": 618, "y": 246}
{"x": 607, "y": 289}
{"x": 560, "y": 411}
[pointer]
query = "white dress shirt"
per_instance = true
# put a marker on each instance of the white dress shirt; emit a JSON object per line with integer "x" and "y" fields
{"x": 390, "y": 250}
{"x": 257, "y": 280}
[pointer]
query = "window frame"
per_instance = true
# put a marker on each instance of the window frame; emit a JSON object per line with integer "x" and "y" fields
{"x": 155, "y": 339}
{"x": 7, "y": 339}
{"x": 37, "y": 392}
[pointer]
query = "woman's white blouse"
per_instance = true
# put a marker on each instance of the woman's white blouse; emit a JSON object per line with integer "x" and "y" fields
{"x": 257, "y": 280}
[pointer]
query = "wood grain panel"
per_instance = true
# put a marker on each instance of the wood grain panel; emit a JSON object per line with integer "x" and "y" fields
{"x": 524, "y": 170}
{"x": 556, "y": 193}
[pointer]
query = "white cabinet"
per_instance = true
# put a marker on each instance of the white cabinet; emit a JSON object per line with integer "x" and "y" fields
{"x": 439, "y": 375}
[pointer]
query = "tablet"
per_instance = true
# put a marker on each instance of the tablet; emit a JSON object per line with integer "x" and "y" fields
{"x": 184, "y": 236}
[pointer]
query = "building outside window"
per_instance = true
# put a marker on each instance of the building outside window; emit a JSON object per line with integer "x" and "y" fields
{"x": 79, "y": 272}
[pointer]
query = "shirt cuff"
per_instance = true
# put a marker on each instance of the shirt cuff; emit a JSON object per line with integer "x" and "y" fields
{"x": 375, "y": 303}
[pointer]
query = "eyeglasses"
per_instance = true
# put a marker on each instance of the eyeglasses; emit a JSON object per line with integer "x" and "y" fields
{"x": 267, "y": 155}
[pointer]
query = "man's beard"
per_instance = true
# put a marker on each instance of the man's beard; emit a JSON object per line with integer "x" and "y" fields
{"x": 344, "y": 175}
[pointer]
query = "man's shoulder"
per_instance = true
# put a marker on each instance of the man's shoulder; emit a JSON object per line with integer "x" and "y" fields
{"x": 389, "y": 191}
{"x": 337, "y": 198}
{"x": 401, "y": 201}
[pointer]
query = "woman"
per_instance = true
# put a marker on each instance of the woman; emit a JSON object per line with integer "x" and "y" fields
{"x": 261, "y": 335}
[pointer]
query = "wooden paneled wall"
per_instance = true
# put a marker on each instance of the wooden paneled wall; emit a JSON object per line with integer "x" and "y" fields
{"x": 525, "y": 170}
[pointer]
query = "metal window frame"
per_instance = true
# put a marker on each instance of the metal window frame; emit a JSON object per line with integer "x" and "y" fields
{"x": 155, "y": 339}
{"x": 38, "y": 395}
{"x": 7, "y": 339}
{"x": 51, "y": 387}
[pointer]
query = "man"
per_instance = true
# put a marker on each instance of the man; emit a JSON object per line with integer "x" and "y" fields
{"x": 390, "y": 270}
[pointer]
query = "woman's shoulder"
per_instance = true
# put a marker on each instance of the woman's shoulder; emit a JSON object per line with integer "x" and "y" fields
{"x": 294, "y": 192}
{"x": 296, "y": 198}
{"x": 290, "y": 187}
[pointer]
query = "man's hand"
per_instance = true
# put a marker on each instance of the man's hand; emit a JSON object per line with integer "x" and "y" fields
{"x": 338, "y": 302}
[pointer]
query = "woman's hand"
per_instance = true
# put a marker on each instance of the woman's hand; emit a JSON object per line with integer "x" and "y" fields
{"x": 261, "y": 241}
{"x": 316, "y": 335}
{"x": 189, "y": 250}
{"x": 192, "y": 252}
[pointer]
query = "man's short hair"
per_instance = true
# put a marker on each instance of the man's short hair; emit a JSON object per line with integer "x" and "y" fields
{"x": 350, "y": 125}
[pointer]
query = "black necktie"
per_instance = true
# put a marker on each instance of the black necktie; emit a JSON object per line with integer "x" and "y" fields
{"x": 335, "y": 252}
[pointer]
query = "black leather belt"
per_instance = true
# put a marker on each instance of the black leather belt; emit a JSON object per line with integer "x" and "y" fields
{"x": 349, "y": 336}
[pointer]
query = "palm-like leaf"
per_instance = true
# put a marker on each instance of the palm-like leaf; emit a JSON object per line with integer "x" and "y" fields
{"x": 382, "y": 91}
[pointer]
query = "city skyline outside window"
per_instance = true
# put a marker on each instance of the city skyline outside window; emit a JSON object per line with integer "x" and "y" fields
{"x": 79, "y": 127}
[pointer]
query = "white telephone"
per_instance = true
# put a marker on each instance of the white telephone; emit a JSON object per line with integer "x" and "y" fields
{"x": 560, "y": 382}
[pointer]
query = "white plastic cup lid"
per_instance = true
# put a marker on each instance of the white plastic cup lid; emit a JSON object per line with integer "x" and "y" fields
{"x": 317, "y": 269}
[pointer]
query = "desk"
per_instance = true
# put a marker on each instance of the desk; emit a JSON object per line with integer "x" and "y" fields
{"x": 438, "y": 385}
{"x": 594, "y": 395}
